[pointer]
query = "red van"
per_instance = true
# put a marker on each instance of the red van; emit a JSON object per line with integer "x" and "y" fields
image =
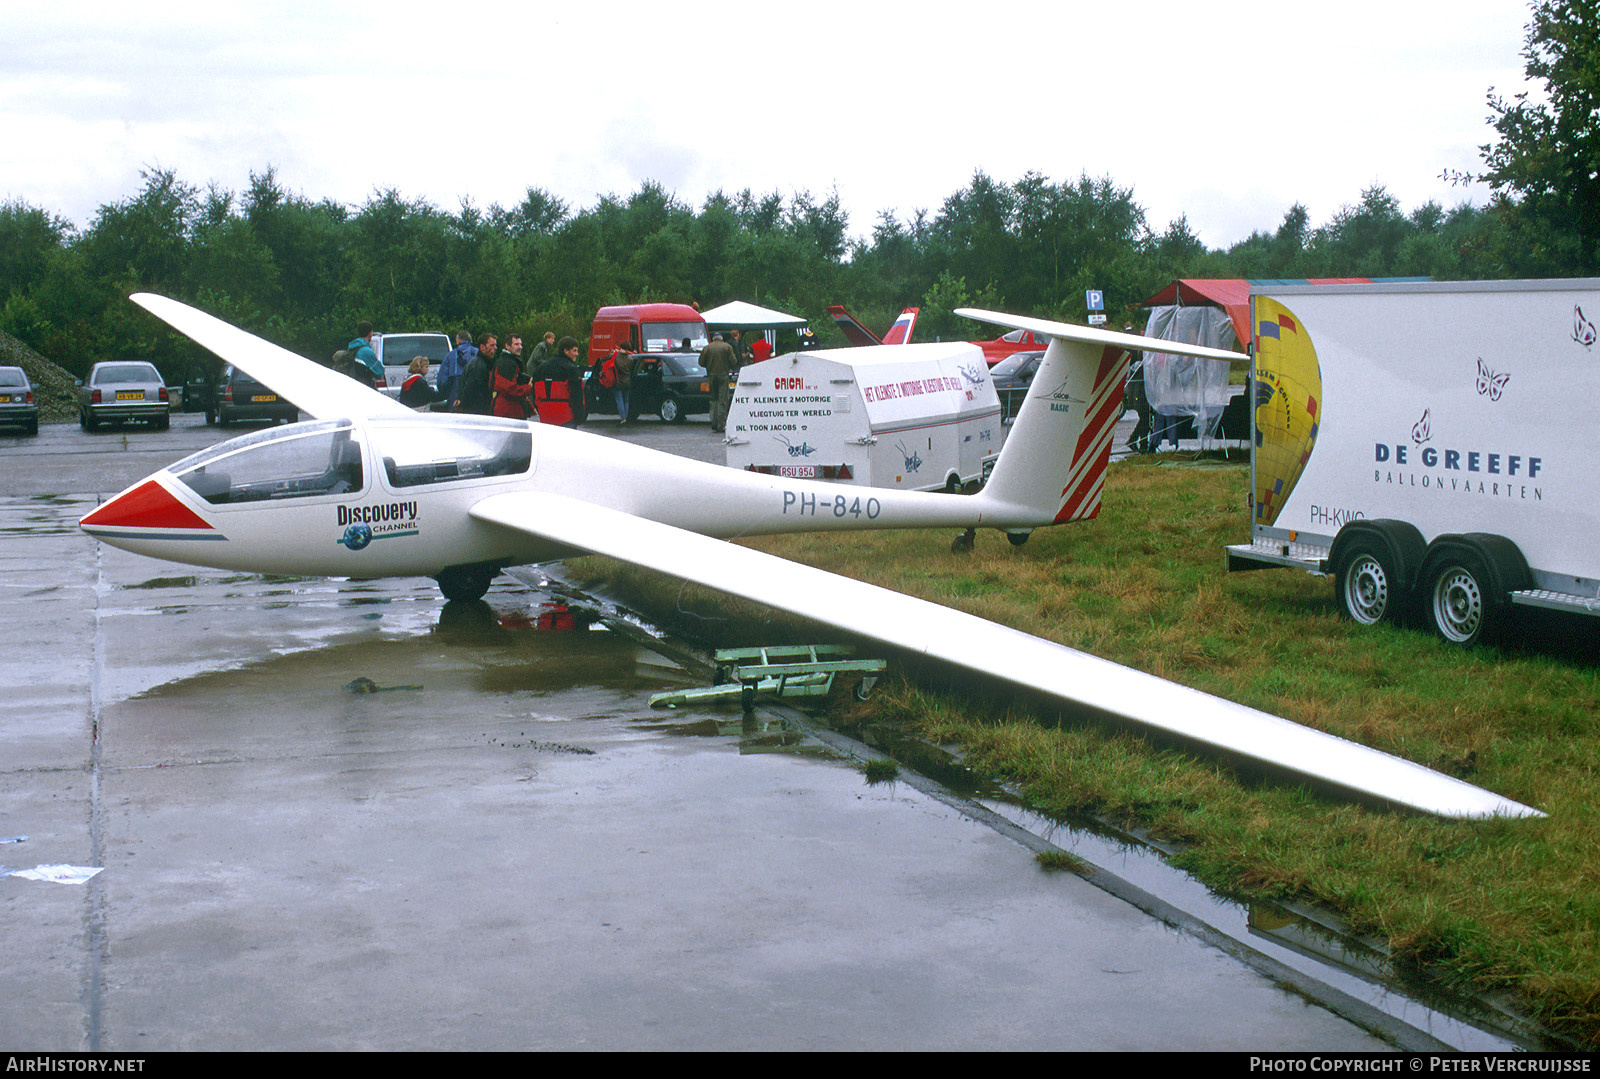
{"x": 668, "y": 379}
{"x": 646, "y": 327}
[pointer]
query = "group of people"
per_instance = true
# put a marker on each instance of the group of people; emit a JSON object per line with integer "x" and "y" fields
{"x": 487, "y": 378}
{"x": 491, "y": 379}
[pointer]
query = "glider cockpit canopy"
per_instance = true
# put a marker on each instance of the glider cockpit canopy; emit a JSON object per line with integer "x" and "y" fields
{"x": 327, "y": 457}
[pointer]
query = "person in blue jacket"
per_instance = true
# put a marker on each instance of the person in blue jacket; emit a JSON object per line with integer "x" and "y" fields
{"x": 453, "y": 366}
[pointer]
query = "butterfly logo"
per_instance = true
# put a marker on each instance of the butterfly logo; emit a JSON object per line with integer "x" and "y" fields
{"x": 1489, "y": 382}
{"x": 1422, "y": 430}
{"x": 1582, "y": 329}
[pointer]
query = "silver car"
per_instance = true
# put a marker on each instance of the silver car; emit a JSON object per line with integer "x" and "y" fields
{"x": 17, "y": 403}
{"x": 119, "y": 390}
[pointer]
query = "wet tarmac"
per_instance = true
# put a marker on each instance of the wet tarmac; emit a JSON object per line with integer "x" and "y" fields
{"x": 344, "y": 815}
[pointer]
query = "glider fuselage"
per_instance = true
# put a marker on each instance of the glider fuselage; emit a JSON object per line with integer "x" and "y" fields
{"x": 392, "y": 497}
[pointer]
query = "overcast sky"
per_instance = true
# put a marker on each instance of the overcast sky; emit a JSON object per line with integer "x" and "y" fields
{"x": 1227, "y": 112}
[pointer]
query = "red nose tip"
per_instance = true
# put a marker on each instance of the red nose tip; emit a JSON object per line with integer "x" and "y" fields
{"x": 148, "y": 505}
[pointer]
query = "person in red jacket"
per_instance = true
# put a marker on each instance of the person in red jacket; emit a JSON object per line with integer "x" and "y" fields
{"x": 558, "y": 386}
{"x": 511, "y": 388}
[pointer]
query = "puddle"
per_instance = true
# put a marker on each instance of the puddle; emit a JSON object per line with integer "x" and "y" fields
{"x": 1298, "y": 939}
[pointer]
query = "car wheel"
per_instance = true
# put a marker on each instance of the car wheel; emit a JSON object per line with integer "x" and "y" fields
{"x": 90, "y": 423}
{"x": 1460, "y": 604}
{"x": 163, "y": 423}
{"x": 211, "y": 417}
{"x": 671, "y": 411}
{"x": 1366, "y": 586}
{"x": 33, "y": 427}
{"x": 223, "y": 419}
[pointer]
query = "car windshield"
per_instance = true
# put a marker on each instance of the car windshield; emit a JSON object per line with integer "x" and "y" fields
{"x": 670, "y": 336}
{"x": 677, "y": 365}
{"x": 399, "y": 349}
{"x": 12, "y": 376}
{"x": 1013, "y": 365}
{"x": 127, "y": 372}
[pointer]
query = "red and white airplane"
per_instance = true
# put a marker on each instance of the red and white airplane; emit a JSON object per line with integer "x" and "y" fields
{"x": 857, "y": 333}
{"x": 1009, "y": 344}
{"x": 369, "y": 488}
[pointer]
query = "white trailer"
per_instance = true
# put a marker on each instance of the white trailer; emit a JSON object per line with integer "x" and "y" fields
{"x": 1427, "y": 445}
{"x": 914, "y": 417}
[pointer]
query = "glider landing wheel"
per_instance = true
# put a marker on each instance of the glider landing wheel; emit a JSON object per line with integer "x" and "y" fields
{"x": 963, "y": 543}
{"x": 467, "y": 583}
{"x": 1017, "y": 539}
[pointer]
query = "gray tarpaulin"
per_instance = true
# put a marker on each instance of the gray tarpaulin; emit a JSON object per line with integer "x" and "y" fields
{"x": 1184, "y": 385}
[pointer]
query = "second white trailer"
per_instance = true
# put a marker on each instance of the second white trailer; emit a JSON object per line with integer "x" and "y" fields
{"x": 1429, "y": 446}
{"x": 915, "y": 417}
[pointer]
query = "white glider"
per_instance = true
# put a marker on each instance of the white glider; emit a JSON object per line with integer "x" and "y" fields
{"x": 370, "y": 489}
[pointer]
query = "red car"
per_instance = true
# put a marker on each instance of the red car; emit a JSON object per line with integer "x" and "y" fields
{"x": 1007, "y": 343}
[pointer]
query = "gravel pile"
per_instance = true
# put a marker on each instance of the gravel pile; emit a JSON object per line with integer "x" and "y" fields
{"x": 55, "y": 390}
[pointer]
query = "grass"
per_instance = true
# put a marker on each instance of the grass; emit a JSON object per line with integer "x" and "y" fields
{"x": 1058, "y": 861}
{"x": 881, "y": 771}
{"x": 1506, "y": 905}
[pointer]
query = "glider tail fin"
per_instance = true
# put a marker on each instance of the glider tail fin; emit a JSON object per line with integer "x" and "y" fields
{"x": 853, "y": 330}
{"x": 1053, "y": 466}
{"x": 900, "y": 332}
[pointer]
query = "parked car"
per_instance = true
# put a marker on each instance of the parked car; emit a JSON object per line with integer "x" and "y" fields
{"x": 121, "y": 390}
{"x": 239, "y": 397}
{"x": 196, "y": 394}
{"x": 17, "y": 403}
{"x": 1012, "y": 376}
{"x": 396, "y": 351}
{"x": 671, "y": 385}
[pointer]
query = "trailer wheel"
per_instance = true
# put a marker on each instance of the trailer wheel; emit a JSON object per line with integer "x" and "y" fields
{"x": 1459, "y": 602}
{"x": 1367, "y": 588}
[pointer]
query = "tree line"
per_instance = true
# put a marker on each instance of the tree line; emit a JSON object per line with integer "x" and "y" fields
{"x": 303, "y": 272}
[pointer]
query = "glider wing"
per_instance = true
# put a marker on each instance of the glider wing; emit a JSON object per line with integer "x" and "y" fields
{"x": 991, "y": 649}
{"x": 319, "y": 391}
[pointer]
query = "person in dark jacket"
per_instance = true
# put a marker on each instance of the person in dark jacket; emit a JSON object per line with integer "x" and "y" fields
{"x": 542, "y": 351}
{"x": 477, "y": 390}
{"x": 415, "y": 391}
{"x": 718, "y": 360}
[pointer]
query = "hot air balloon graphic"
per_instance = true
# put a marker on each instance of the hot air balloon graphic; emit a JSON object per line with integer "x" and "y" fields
{"x": 1288, "y": 395}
